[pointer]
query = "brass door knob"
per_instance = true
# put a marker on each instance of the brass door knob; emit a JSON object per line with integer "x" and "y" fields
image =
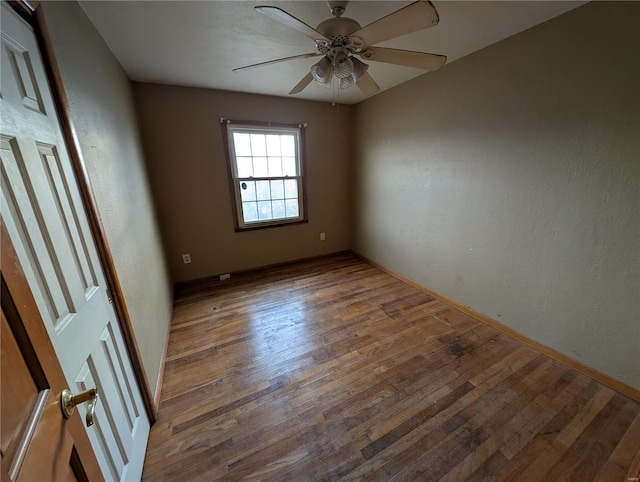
{"x": 68, "y": 402}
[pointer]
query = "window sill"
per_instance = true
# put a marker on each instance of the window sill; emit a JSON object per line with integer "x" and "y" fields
{"x": 270, "y": 225}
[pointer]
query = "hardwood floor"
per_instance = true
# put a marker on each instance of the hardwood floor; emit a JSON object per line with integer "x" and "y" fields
{"x": 333, "y": 370}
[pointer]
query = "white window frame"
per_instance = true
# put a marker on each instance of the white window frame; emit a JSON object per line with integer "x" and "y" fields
{"x": 229, "y": 127}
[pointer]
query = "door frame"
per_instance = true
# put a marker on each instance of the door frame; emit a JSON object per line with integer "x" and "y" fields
{"x": 33, "y": 339}
{"x": 31, "y": 12}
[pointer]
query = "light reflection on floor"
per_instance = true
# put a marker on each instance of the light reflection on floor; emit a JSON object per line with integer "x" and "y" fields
{"x": 277, "y": 326}
{"x": 279, "y": 331}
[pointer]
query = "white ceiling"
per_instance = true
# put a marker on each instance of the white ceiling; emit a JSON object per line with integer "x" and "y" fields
{"x": 198, "y": 43}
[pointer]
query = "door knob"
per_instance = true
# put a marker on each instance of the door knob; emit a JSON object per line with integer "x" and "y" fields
{"x": 68, "y": 402}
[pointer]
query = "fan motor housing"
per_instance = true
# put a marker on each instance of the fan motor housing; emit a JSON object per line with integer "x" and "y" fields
{"x": 338, "y": 30}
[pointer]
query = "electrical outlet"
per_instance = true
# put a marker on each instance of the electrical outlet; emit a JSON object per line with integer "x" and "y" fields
{"x": 186, "y": 258}
{"x": 322, "y": 237}
{"x": 225, "y": 276}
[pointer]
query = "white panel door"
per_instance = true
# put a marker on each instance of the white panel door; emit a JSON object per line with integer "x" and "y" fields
{"x": 44, "y": 214}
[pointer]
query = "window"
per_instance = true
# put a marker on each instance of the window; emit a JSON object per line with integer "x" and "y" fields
{"x": 266, "y": 170}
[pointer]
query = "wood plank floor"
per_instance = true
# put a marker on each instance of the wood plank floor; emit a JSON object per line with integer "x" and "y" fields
{"x": 333, "y": 370}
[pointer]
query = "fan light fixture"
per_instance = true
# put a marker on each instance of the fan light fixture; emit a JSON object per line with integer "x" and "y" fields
{"x": 322, "y": 72}
{"x": 347, "y": 69}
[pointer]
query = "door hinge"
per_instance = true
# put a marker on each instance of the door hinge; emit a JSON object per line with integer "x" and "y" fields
{"x": 109, "y": 297}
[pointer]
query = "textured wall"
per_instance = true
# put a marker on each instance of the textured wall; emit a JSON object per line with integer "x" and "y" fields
{"x": 509, "y": 182}
{"x": 187, "y": 167}
{"x": 103, "y": 114}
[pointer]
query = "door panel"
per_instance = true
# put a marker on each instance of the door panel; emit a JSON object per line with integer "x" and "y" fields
{"x": 47, "y": 441}
{"x": 36, "y": 444}
{"x": 46, "y": 221}
{"x": 19, "y": 394}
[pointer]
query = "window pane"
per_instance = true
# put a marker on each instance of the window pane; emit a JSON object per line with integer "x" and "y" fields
{"x": 242, "y": 144}
{"x": 245, "y": 166}
{"x": 291, "y": 188}
{"x": 263, "y": 191}
{"x": 273, "y": 145}
{"x": 275, "y": 166}
{"x": 278, "y": 209}
{"x": 250, "y": 212}
{"x": 248, "y": 190}
{"x": 264, "y": 210}
{"x": 260, "y": 168}
{"x": 266, "y": 168}
{"x": 291, "y": 206}
{"x": 289, "y": 166}
{"x": 288, "y": 145}
{"x": 277, "y": 189}
{"x": 258, "y": 147}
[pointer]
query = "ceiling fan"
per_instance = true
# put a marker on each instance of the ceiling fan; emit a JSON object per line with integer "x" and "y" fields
{"x": 339, "y": 40}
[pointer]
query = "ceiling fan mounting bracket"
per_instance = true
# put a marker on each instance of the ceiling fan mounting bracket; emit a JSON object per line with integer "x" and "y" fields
{"x": 337, "y": 7}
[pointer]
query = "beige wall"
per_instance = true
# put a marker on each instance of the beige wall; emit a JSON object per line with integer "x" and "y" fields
{"x": 101, "y": 104}
{"x": 187, "y": 168}
{"x": 509, "y": 182}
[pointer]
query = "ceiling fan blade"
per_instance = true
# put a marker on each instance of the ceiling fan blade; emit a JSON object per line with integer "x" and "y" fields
{"x": 290, "y": 21}
{"x": 300, "y": 86}
{"x": 408, "y": 58}
{"x": 302, "y": 56}
{"x": 416, "y": 16}
{"x": 367, "y": 85}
